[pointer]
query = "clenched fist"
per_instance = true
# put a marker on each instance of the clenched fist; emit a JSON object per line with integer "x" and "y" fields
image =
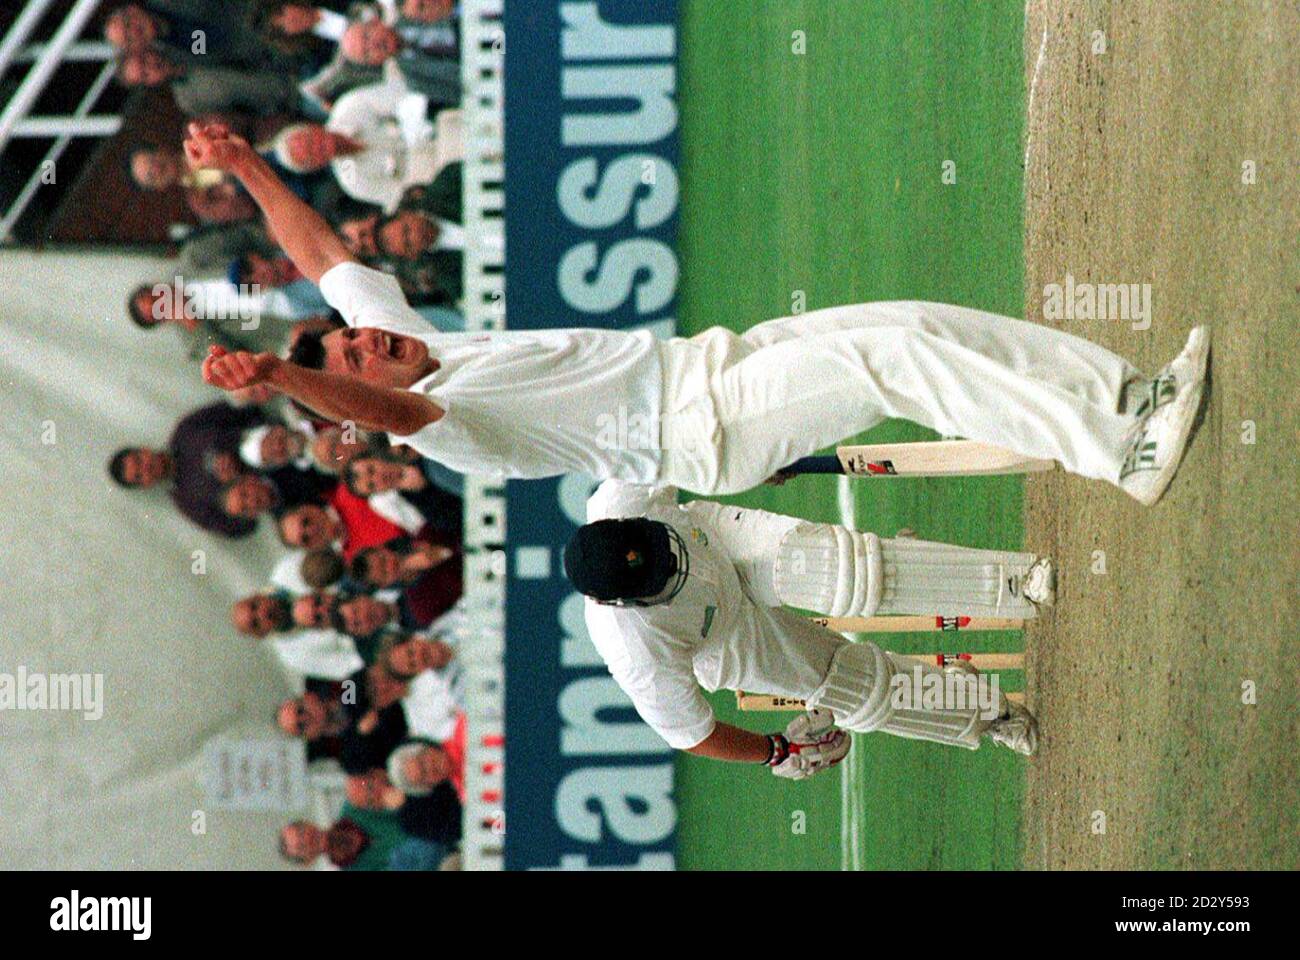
{"x": 236, "y": 371}
{"x": 213, "y": 146}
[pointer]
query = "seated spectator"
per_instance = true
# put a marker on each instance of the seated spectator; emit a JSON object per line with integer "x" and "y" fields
{"x": 209, "y": 252}
{"x": 418, "y": 766}
{"x": 212, "y": 196}
{"x": 397, "y": 564}
{"x": 273, "y": 445}
{"x": 306, "y": 33}
{"x": 361, "y": 840}
{"x": 249, "y": 496}
{"x": 427, "y": 803}
{"x": 362, "y": 616}
{"x": 374, "y": 153}
{"x": 201, "y": 88}
{"x": 300, "y": 649}
{"x": 345, "y": 521}
{"x": 333, "y": 448}
{"x": 432, "y": 70}
{"x": 406, "y": 656}
{"x": 156, "y": 305}
{"x": 359, "y": 720}
{"x": 389, "y": 485}
{"x": 174, "y": 28}
{"x": 286, "y": 292}
{"x": 344, "y": 842}
{"x": 312, "y": 527}
{"x": 201, "y": 457}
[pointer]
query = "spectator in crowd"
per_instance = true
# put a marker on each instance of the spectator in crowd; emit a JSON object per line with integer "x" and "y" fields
{"x": 424, "y": 483}
{"x": 333, "y": 448}
{"x": 363, "y": 616}
{"x": 262, "y": 614}
{"x": 190, "y": 32}
{"x": 418, "y": 766}
{"x": 299, "y": 648}
{"x": 209, "y": 252}
{"x": 306, "y": 33}
{"x": 211, "y": 195}
{"x": 360, "y": 729}
{"x": 406, "y": 656}
{"x": 203, "y": 88}
{"x": 433, "y": 811}
{"x": 252, "y": 494}
{"x": 200, "y": 323}
{"x": 345, "y": 521}
{"x": 284, "y": 290}
{"x": 399, "y": 563}
{"x": 432, "y": 70}
{"x": 272, "y": 446}
{"x": 361, "y": 840}
{"x": 201, "y": 457}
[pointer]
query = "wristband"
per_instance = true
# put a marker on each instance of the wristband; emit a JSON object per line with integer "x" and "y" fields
{"x": 778, "y": 748}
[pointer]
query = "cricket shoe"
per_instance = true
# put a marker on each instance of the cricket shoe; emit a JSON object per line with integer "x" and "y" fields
{"x": 1039, "y": 583}
{"x": 1017, "y": 731}
{"x": 1158, "y": 445}
{"x": 1143, "y": 397}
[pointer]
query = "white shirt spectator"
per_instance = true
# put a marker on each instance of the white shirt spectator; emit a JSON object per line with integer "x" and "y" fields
{"x": 401, "y": 148}
{"x": 318, "y": 653}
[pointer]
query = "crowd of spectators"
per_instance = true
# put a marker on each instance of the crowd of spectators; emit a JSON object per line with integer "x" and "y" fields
{"x": 357, "y": 107}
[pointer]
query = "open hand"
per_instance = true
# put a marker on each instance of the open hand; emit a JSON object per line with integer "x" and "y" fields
{"x": 236, "y": 371}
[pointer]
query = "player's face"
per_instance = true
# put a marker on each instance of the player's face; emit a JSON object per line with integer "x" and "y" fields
{"x": 308, "y": 527}
{"x": 407, "y": 235}
{"x": 362, "y": 616}
{"x": 314, "y": 610}
{"x": 303, "y": 842}
{"x": 377, "y": 356}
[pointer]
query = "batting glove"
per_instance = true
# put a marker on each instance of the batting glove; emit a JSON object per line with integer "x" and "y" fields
{"x": 813, "y": 744}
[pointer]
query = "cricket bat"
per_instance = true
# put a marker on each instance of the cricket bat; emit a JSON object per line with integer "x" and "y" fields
{"x": 930, "y": 458}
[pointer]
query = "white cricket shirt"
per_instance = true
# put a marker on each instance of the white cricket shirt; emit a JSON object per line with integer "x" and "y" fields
{"x": 522, "y": 404}
{"x": 712, "y": 635}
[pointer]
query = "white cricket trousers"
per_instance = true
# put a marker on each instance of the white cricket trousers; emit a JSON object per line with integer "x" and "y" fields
{"x": 739, "y": 407}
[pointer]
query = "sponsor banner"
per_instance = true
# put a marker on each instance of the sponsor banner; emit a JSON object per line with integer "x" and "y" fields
{"x": 591, "y": 213}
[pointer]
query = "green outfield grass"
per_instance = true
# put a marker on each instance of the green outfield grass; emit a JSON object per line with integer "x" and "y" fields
{"x": 821, "y": 173}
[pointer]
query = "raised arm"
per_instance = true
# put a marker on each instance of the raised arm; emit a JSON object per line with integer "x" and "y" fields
{"x": 303, "y": 233}
{"x": 332, "y": 395}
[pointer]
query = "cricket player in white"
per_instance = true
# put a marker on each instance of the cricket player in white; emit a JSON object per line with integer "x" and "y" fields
{"x": 681, "y": 598}
{"x": 716, "y": 413}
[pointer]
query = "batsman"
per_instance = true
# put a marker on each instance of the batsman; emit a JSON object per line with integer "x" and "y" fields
{"x": 682, "y": 599}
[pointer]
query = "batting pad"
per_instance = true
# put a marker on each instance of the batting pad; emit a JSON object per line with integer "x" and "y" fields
{"x": 829, "y": 569}
{"x": 859, "y": 690}
{"x": 937, "y": 578}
